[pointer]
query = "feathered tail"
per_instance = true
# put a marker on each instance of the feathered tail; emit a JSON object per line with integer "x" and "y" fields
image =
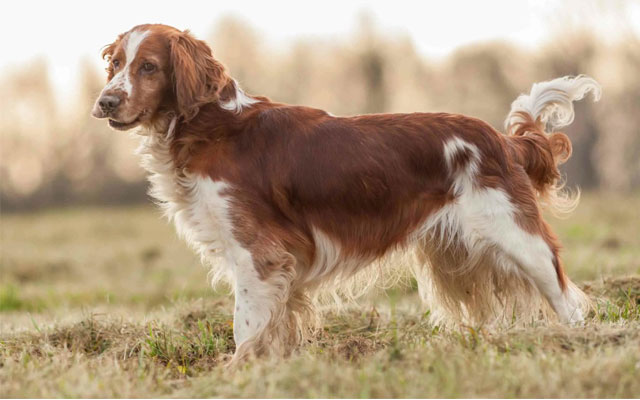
{"x": 530, "y": 126}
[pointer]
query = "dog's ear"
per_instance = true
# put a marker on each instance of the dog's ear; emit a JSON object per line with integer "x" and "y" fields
{"x": 107, "y": 53}
{"x": 197, "y": 77}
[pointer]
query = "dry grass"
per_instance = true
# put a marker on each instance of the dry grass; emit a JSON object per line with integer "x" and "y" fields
{"x": 109, "y": 303}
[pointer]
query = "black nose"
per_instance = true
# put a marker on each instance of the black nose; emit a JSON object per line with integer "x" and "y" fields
{"x": 108, "y": 103}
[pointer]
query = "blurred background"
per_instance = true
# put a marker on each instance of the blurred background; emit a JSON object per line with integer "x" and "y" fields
{"x": 345, "y": 57}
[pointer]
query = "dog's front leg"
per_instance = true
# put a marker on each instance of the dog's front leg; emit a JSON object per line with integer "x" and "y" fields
{"x": 263, "y": 323}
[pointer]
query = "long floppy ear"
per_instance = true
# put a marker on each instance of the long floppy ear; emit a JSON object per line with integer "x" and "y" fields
{"x": 198, "y": 78}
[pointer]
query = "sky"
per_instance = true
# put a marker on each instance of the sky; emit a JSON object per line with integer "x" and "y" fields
{"x": 64, "y": 32}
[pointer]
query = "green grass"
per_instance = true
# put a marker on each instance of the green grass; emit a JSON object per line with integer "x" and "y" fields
{"x": 107, "y": 302}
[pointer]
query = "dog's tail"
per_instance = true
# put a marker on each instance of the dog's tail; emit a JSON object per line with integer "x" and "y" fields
{"x": 549, "y": 105}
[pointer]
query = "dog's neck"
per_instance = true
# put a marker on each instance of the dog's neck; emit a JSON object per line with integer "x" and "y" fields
{"x": 234, "y": 99}
{"x": 170, "y": 140}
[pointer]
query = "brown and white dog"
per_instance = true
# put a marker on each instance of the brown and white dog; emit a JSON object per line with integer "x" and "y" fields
{"x": 291, "y": 200}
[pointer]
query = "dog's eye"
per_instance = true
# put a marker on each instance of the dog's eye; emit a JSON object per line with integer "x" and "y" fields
{"x": 115, "y": 63}
{"x": 148, "y": 67}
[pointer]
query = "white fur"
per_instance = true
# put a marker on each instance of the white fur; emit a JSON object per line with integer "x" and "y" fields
{"x": 240, "y": 101}
{"x": 122, "y": 79}
{"x": 328, "y": 255}
{"x": 552, "y": 101}
{"x": 444, "y": 221}
{"x": 463, "y": 178}
{"x": 455, "y": 145}
{"x": 254, "y": 302}
{"x": 331, "y": 265}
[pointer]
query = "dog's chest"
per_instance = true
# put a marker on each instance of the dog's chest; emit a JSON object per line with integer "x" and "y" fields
{"x": 202, "y": 216}
{"x": 199, "y": 206}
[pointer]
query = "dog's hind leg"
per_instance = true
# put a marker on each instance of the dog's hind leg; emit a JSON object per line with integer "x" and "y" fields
{"x": 517, "y": 234}
{"x": 486, "y": 257}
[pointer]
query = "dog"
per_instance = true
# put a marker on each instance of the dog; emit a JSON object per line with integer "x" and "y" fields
{"x": 288, "y": 201}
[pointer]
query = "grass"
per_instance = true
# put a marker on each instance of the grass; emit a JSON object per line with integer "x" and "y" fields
{"x": 103, "y": 302}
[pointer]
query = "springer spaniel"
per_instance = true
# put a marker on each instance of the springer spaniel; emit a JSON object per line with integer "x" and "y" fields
{"x": 292, "y": 200}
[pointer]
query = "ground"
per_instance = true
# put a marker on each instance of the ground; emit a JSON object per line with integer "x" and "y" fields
{"x": 108, "y": 302}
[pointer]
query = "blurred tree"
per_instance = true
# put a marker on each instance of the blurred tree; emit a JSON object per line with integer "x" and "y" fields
{"x": 574, "y": 55}
{"x": 482, "y": 80}
{"x": 617, "y": 119}
{"x": 239, "y": 47}
{"x": 28, "y": 124}
{"x": 299, "y": 67}
{"x": 372, "y": 65}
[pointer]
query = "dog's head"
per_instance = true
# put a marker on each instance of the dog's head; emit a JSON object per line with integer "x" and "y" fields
{"x": 155, "y": 70}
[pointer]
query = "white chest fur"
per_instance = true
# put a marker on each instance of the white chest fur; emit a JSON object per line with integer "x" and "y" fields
{"x": 199, "y": 207}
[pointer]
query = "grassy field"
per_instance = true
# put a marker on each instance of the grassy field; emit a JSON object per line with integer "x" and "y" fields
{"x": 108, "y": 302}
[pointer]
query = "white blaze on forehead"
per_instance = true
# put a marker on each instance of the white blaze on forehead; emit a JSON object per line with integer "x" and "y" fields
{"x": 122, "y": 80}
{"x": 134, "y": 40}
